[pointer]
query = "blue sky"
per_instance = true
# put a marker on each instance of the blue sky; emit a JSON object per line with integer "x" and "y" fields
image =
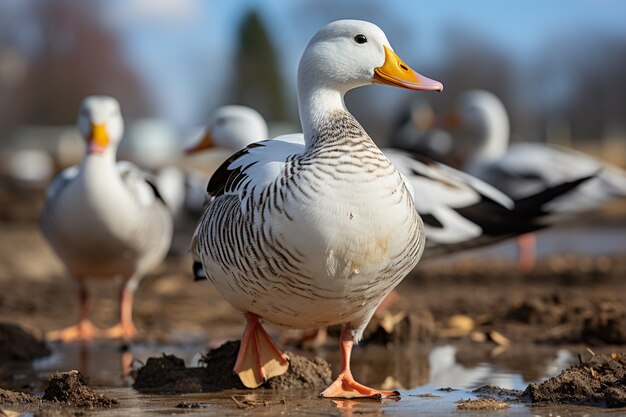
{"x": 183, "y": 48}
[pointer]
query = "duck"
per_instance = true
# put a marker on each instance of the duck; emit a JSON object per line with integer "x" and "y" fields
{"x": 307, "y": 235}
{"x": 525, "y": 168}
{"x": 460, "y": 212}
{"x": 105, "y": 219}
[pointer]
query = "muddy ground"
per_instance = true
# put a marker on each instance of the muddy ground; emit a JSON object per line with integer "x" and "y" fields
{"x": 566, "y": 300}
{"x": 483, "y": 306}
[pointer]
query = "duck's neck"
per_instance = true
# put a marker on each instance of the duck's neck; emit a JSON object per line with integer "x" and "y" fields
{"x": 494, "y": 138}
{"x": 99, "y": 164}
{"x": 318, "y": 107}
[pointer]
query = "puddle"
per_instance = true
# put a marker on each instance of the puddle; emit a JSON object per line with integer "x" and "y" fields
{"x": 598, "y": 241}
{"x": 422, "y": 372}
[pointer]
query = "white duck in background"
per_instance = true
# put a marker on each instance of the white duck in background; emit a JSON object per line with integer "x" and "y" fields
{"x": 522, "y": 169}
{"x": 311, "y": 234}
{"x": 105, "y": 219}
{"x": 232, "y": 127}
{"x": 459, "y": 211}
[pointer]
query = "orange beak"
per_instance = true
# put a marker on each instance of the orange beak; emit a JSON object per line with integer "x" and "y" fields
{"x": 98, "y": 138}
{"x": 205, "y": 143}
{"x": 396, "y": 73}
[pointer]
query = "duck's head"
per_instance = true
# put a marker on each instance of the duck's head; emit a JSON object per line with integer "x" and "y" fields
{"x": 475, "y": 108}
{"x": 100, "y": 123}
{"x": 346, "y": 54}
{"x": 232, "y": 128}
{"x": 483, "y": 116}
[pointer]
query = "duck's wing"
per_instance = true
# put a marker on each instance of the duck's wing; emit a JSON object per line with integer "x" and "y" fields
{"x": 249, "y": 171}
{"x": 241, "y": 181}
{"x": 529, "y": 168}
{"x": 141, "y": 184}
{"x": 61, "y": 181}
{"x": 462, "y": 212}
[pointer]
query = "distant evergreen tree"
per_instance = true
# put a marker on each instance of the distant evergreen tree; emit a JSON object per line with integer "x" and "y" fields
{"x": 257, "y": 81}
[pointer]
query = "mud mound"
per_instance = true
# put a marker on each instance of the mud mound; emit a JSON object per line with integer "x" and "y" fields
{"x": 70, "y": 388}
{"x": 18, "y": 345}
{"x": 482, "y": 404}
{"x": 498, "y": 393}
{"x": 539, "y": 310}
{"x": 16, "y": 398}
{"x": 169, "y": 374}
{"x": 601, "y": 381}
{"x": 303, "y": 373}
{"x": 606, "y": 327}
{"x": 219, "y": 364}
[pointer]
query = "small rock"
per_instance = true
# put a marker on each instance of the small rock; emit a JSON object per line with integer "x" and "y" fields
{"x": 498, "y": 338}
{"x": 478, "y": 337}
{"x": 190, "y": 405}
{"x": 460, "y": 322}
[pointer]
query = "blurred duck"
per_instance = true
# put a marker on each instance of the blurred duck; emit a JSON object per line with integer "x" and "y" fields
{"x": 105, "y": 219}
{"x": 229, "y": 127}
{"x": 312, "y": 233}
{"x": 459, "y": 211}
{"x": 524, "y": 169}
{"x": 414, "y": 133}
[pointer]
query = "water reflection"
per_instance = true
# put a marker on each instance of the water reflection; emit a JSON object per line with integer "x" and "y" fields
{"x": 466, "y": 366}
{"x": 108, "y": 363}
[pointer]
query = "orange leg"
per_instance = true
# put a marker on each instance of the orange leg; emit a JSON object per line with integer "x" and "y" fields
{"x": 345, "y": 386}
{"x": 125, "y": 329}
{"x": 527, "y": 252}
{"x": 259, "y": 358}
{"x": 84, "y": 329}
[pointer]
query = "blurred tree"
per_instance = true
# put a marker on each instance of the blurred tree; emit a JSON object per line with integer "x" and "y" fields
{"x": 257, "y": 80}
{"x": 588, "y": 72}
{"x": 70, "y": 54}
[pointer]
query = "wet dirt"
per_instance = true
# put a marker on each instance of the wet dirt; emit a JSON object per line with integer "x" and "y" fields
{"x": 566, "y": 303}
{"x": 599, "y": 381}
{"x": 169, "y": 373}
{"x": 17, "y": 398}
{"x": 482, "y": 404}
{"x": 16, "y": 344}
{"x": 70, "y": 389}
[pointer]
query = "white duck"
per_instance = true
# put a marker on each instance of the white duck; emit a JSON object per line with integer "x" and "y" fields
{"x": 314, "y": 234}
{"x": 522, "y": 169}
{"x": 459, "y": 211}
{"x": 105, "y": 219}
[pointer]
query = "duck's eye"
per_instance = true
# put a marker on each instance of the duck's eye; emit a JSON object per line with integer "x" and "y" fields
{"x": 221, "y": 121}
{"x": 360, "y": 39}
